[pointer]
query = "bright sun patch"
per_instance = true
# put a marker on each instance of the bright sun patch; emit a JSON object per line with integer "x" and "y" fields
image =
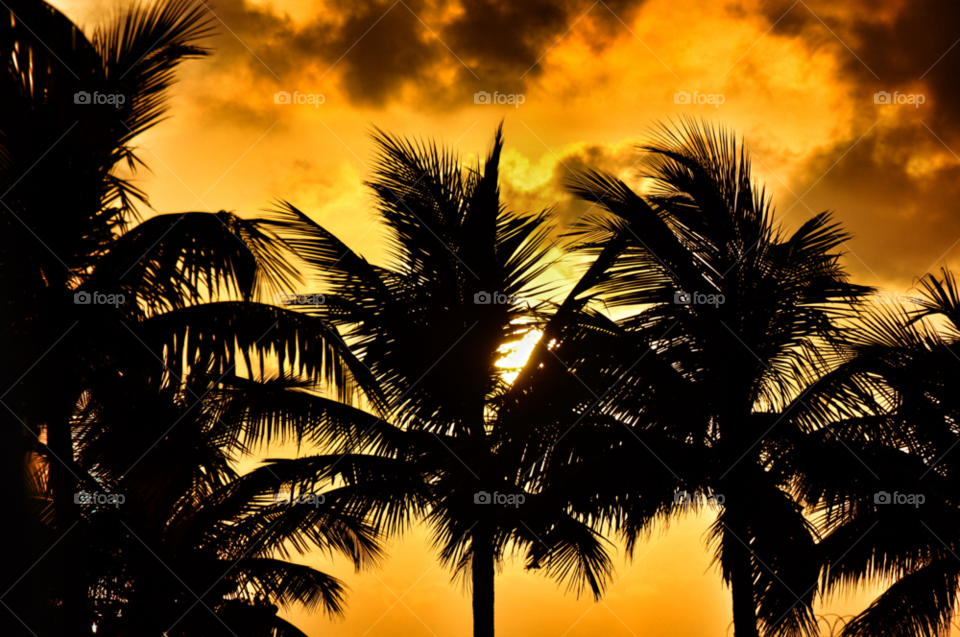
{"x": 516, "y": 354}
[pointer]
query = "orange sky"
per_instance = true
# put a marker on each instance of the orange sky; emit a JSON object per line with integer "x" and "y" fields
{"x": 797, "y": 80}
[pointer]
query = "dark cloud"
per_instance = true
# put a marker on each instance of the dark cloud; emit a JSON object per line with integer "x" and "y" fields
{"x": 897, "y": 190}
{"x": 902, "y": 48}
{"x": 380, "y": 47}
{"x": 504, "y": 41}
{"x": 903, "y": 221}
{"x": 377, "y": 49}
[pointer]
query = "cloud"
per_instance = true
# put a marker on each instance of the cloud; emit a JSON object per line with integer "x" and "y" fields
{"x": 892, "y": 176}
{"x": 892, "y": 46}
{"x": 438, "y": 53}
{"x": 900, "y": 205}
{"x": 533, "y": 186}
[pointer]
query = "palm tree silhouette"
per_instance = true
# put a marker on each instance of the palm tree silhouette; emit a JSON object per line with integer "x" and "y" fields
{"x": 702, "y": 384}
{"x": 429, "y": 327}
{"x": 81, "y": 239}
{"x": 53, "y": 235}
{"x": 187, "y": 552}
{"x": 905, "y": 367}
{"x": 731, "y": 371}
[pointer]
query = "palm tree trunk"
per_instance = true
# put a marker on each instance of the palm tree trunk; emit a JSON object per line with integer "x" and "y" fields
{"x": 482, "y": 573}
{"x": 741, "y": 585}
{"x": 18, "y": 546}
{"x": 744, "y": 609}
{"x": 63, "y": 483}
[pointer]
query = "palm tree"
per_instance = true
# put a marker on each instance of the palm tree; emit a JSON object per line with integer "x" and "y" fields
{"x": 52, "y": 235}
{"x": 906, "y": 362}
{"x": 429, "y": 326}
{"x": 81, "y": 238}
{"x": 183, "y": 551}
{"x": 703, "y": 382}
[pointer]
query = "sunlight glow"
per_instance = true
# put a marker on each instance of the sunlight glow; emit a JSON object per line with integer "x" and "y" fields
{"x": 515, "y": 355}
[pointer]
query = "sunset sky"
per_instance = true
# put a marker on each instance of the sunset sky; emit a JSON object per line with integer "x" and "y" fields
{"x": 800, "y": 82}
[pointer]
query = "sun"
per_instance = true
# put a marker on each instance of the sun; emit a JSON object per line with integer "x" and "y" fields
{"x": 515, "y": 355}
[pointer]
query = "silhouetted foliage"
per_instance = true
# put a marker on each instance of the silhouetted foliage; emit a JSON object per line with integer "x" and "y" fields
{"x": 91, "y": 388}
{"x": 431, "y": 337}
{"x": 704, "y": 350}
